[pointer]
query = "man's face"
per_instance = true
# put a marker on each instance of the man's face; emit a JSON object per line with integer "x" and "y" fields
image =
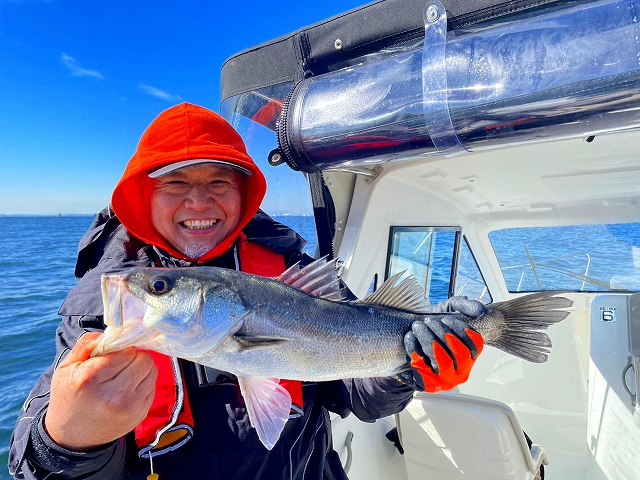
{"x": 197, "y": 207}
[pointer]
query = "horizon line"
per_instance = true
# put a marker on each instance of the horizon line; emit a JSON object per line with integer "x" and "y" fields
{"x": 94, "y": 214}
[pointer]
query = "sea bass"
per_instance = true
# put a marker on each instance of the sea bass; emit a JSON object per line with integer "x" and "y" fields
{"x": 296, "y": 326}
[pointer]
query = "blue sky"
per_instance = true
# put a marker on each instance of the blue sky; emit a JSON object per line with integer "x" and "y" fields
{"x": 81, "y": 80}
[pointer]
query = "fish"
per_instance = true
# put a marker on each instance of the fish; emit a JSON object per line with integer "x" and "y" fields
{"x": 298, "y": 326}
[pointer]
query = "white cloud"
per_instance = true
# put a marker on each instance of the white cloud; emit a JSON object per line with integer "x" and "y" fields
{"x": 77, "y": 70}
{"x": 156, "y": 92}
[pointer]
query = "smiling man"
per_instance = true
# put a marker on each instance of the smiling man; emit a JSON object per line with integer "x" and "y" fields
{"x": 189, "y": 196}
{"x": 196, "y": 204}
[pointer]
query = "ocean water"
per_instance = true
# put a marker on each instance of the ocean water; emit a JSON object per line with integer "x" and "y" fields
{"x": 37, "y": 260}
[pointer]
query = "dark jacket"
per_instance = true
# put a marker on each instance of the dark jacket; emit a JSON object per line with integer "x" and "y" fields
{"x": 223, "y": 446}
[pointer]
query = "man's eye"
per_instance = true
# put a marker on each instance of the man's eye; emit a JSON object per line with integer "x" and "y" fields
{"x": 175, "y": 186}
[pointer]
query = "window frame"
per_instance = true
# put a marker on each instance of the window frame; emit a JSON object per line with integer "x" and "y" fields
{"x": 393, "y": 229}
{"x": 475, "y": 261}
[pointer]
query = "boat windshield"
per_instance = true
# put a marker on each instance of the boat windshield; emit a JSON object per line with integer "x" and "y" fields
{"x": 288, "y": 199}
{"x": 439, "y": 259}
{"x": 581, "y": 258}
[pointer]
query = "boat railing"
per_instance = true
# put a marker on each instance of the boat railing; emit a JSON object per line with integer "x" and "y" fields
{"x": 477, "y": 280}
{"x": 550, "y": 265}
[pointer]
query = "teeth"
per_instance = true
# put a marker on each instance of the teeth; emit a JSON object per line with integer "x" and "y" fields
{"x": 193, "y": 224}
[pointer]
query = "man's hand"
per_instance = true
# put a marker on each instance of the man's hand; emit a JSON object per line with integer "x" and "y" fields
{"x": 461, "y": 304}
{"x": 97, "y": 400}
{"x": 442, "y": 349}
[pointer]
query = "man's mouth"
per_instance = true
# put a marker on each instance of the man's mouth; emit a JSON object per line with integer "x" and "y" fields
{"x": 199, "y": 224}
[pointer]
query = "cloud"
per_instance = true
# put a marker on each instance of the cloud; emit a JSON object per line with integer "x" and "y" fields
{"x": 156, "y": 92}
{"x": 77, "y": 70}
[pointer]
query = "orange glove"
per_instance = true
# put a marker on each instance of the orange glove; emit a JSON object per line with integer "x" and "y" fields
{"x": 441, "y": 351}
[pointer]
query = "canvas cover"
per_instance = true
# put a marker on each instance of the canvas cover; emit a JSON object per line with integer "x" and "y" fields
{"x": 312, "y": 50}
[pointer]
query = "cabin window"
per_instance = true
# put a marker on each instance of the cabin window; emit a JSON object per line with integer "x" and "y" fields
{"x": 582, "y": 258}
{"x": 427, "y": 253}
{"x": 432, "y": 255}
{"x": 469, "y": 280}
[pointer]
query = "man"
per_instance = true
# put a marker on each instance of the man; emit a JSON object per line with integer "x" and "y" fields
{"x": 190, "y": 196}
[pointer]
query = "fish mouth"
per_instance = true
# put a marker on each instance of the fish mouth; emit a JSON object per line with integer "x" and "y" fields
{"x": 124, "y": 315}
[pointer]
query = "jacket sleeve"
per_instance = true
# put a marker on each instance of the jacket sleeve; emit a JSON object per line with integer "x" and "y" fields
{"x": 368, "y": 398}
{"x": 33, "y": 455}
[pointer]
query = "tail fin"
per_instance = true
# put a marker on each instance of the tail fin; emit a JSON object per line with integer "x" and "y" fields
{"x": 522, "y": 318}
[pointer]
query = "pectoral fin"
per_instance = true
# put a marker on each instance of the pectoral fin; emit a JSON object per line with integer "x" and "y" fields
{"x": 251, "y": 341}
{"x": 268, "y": 405}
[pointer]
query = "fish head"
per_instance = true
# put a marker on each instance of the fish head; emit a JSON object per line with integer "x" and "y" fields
{"x": 179, "y": 312}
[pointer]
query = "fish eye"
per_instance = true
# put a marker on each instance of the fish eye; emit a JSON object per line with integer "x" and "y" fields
{"x": 159, "y": 285}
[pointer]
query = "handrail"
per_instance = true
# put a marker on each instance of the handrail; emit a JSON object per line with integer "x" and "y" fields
{"x": 542, "y": 266}
{"x": 586, "y": 271}
{"x": 533, "y": 266}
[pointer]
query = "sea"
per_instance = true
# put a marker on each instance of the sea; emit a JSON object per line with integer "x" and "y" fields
{"x": 37, "y": 260}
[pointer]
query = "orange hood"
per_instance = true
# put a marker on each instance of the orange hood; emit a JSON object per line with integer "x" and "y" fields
{"x": 183, "y": 132}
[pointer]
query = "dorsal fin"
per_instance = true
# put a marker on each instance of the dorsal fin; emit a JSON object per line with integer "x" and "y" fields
{"x": 408, "y": 295}
{"x": 320, "y": 279}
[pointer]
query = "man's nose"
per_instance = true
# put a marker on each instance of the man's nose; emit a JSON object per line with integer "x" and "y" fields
{"x": 198, "y": 198}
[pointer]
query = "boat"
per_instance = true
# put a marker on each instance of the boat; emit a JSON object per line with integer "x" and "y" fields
{"x": 491, "y": 149}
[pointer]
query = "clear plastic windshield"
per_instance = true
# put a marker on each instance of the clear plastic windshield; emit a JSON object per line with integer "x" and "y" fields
{"x": 288, "y": 199}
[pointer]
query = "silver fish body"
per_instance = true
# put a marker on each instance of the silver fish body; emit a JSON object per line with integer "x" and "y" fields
{"x": 253, "y": 326}
{"x": 295, "y": 327}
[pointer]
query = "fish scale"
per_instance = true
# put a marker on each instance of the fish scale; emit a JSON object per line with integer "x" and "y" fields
{"x": 345, "y": 345}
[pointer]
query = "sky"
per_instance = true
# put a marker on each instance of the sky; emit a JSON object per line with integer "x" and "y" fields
{"x": 81, "y": 80}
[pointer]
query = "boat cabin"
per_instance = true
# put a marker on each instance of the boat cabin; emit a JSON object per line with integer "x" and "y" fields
{"x": 490, "y": 149}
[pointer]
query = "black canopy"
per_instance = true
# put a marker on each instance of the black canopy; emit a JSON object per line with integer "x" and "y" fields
{"x": 315, "y": 49}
